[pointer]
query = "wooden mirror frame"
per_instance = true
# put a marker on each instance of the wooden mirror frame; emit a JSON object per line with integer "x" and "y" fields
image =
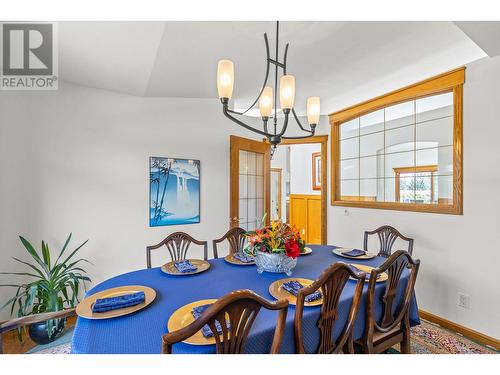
{"x": 448, "y": 82}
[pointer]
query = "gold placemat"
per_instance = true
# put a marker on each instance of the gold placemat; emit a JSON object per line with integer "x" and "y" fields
{"x": 202, "y": 266}
{"x": 278, "y": 292}
{"x": 84, "y": 308}
{"x": 338, "y": 251}
{"x": 183, "y": 316}
{"x": 307, "y": 251}
{"x": 231, "y": 259}
{"x": 368, "y": 269}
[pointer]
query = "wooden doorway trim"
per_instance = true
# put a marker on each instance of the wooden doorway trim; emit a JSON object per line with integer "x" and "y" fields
{"x": 237, "y": 144}
{"x": 323, "y": 140}
{"x": 280, "y": 190}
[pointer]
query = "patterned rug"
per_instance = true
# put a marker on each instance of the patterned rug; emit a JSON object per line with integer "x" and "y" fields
{"x": 427, "y": 338}
{"x": 430, "y": 338}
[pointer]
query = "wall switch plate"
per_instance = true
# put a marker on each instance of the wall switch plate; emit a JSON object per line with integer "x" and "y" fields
{"x": 464, "y": 300}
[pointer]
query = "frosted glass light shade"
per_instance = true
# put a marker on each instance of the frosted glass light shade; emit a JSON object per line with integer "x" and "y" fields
{"x": 313, "y": 110}
{"x": 266, "y": 102}
{"x": 225, "y": 78}
{"x": 287, "y": 91}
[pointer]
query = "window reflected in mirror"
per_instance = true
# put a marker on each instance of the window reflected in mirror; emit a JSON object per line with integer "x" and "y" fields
{"x": 407, "y": 146}
{"x": 402, "y": 153}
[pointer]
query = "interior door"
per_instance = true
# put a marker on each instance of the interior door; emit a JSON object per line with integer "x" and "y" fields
{"x": 276, "y": 193}
{"x": 250, "y": 165}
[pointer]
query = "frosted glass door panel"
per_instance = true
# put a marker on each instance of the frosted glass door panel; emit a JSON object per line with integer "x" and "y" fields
{"x": 251, "y": 176}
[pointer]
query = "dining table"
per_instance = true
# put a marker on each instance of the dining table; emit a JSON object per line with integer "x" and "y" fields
{"x": 141, "y": 332}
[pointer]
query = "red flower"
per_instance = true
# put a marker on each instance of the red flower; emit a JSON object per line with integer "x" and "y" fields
{"x": 292, "y": 248}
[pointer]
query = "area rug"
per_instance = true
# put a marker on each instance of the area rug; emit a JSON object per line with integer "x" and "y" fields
{"x": 60, "y": 346}
{"x": 430, "y": 338}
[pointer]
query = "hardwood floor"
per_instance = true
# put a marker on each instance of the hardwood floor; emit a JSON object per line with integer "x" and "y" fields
{"x": 12, "y": 345}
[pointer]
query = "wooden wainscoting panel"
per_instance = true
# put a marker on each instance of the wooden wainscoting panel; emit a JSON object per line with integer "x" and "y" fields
{"x": 314, "y": 220}
{"x": 298, "y": 214}
{"x": 305, "y": 214}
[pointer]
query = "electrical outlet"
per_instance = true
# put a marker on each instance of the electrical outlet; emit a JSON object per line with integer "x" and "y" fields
{"x": 464, "y": 300}
{"x": 346, "y": 212}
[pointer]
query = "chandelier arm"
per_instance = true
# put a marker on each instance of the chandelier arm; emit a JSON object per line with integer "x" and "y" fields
{"x": 311, "y": 132}
{"x": 285, "y": 125}
{"x": 298, "y": 121}
{"x": 284, "y": 58}
{"x": 264, "y": 120}
{"x": 275, "y": 120}
{"x": 241, "y": 123}
{"x": 265, "y": 79}
{"x": 300, "y": 136}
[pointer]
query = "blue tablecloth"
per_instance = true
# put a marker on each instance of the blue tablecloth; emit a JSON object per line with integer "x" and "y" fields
{"x": 141, "y": 332}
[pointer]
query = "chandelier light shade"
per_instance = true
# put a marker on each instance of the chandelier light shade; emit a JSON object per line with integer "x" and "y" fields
{"x": 266, "y": 102}
{"x": 284, "y": 85}
{"x": 313, "y": 110}
{"x": 287, "y": 92}
{"x": 225, "y": 78}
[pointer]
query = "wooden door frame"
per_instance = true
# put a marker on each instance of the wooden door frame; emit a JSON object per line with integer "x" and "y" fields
{"x": 239, "y": 143}
{"x": 280, "y": 190}
{"x": 323, "y": 140}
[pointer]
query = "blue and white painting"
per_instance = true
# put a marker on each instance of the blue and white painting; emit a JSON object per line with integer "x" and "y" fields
{"x": 174, "y": 191}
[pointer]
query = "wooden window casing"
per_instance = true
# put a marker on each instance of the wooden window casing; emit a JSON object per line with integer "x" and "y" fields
{"x": 448, "y": 82}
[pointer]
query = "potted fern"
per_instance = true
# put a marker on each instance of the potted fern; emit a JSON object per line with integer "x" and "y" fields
{"x": 51, "y": 286}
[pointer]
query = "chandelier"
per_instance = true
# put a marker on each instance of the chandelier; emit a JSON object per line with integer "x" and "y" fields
{"x": 268, "y": 97}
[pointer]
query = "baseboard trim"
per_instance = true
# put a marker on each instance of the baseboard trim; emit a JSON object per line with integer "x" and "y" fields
{"x": 470, "y": 333}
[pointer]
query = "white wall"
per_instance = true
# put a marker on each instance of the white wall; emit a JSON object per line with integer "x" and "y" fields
{"x": 301, "y": 168}
{"x": 459, "y": 254}
{"x": 76, "y": 160}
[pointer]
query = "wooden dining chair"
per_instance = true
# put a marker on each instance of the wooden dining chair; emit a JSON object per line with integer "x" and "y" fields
{"x": 387, "y": 235}
{"x": 394, "y": 325}
{"x": 331, "y": 283}
{"x": 16, "y": 323}
{"x": 239, "y": 309}
{"x": 235, "y": 237}
{"x": 177, "y": 245}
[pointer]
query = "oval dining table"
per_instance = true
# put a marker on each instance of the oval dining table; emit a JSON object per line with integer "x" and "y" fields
{"x": 141, "y": 332}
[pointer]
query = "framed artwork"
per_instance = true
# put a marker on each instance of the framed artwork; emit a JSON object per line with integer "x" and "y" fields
{"x": 174, "y": 191}
{"x": 316, "y": 171}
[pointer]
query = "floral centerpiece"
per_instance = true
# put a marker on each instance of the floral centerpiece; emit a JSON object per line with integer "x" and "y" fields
{"x": 275, "y": 247}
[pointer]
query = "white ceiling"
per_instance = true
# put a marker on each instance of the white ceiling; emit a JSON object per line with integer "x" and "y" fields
{"x": 342, "y": 62}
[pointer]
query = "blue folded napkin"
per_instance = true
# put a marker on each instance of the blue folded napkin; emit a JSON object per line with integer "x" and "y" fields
{"x": 118, "y": 302}
{"x": 185, "y": 266}
{"x": 356, "y": 269}
{"x": 242, "y": 257}
{"x": 293, "y": 287}
{"x": 353, "y": 253}
{"x": 205, "y": 330}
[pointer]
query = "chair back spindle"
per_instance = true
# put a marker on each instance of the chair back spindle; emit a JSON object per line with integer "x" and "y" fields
{"x": 177, "y": 244}
{"x": 236, "y": 310}
{"x": 393, "y": 326}
{"x": 331, "y": 283}
{"x": 387, "y": 236}
{"x": 236, "y": 239}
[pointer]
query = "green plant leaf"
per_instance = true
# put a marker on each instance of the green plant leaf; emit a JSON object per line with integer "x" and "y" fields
{"x": 34, "y": 254}
{"x": 64, "y": 248}
{"x": 46, "y": 254}
{"x": 30, "y": 265}
{"x": 74, "y": 252}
